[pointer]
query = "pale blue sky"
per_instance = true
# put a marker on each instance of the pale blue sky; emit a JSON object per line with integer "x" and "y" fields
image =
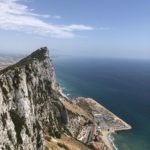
{"x": 101, "y": 28}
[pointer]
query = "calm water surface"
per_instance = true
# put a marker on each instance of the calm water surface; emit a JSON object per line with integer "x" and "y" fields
{"x": 123, "y": 86}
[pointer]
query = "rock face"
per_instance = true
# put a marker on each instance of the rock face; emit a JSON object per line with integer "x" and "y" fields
{"x": 29, "y": 103}
{"x": 33, "y": 107}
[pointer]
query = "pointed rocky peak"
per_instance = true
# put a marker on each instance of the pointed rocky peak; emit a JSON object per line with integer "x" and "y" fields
{"x": 40, "y": 54}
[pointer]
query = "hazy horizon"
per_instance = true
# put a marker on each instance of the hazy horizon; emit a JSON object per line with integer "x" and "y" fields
{"x": 105, "y": 28}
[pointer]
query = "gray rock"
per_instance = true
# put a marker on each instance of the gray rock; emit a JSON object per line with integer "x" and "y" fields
{"x": 29, "y": 103}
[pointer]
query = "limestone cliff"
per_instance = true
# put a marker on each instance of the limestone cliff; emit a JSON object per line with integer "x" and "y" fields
{"x": 29, "y": 105}
{"x": 34, "y": 111}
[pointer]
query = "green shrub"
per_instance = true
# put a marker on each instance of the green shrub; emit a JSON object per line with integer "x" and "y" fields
{"x": 7, "y": 147}
{"x": 5, "y": 92}
{"x": 57, "y": 134}
{"x": 46, "y": 148}
{"x": 63, "y": 146}
{"x": 19, "y": 122}
{"x": 4, "y": 117}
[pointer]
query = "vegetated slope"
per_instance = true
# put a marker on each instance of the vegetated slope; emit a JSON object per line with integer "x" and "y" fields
{"x": 29, "y": 106}
{"x": 36, "y": 115}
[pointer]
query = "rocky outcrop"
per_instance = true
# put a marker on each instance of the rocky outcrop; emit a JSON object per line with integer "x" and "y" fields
{"x": 29, "y": 103}
{"x": 32, "y": 107}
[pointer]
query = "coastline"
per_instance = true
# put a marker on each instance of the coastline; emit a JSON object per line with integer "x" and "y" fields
{"x": 118, "y": 99}
{"x": 98, "y": 108}
{"x": 107, "y": 135}
{"x": 107, "y": 140}
{"x": 111, "y": 140}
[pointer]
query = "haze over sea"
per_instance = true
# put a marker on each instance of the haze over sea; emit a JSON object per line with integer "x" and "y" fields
{"x": 121, "y": 85}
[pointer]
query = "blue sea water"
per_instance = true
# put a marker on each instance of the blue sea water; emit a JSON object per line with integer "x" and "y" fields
{"x": 122, "y": 86}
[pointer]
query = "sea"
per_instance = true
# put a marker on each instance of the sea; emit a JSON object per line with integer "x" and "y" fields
{"x": 121, "y": 85}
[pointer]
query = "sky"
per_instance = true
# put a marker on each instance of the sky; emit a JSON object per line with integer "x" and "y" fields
{"x": 87, "y": 28}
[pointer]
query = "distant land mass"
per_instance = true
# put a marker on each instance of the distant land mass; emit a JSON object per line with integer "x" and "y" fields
{"x": 6, "y": 60}
{"x": 36, "y": 115}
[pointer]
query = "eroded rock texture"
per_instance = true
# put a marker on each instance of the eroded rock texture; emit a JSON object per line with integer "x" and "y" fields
{"x": 29, "y": 103}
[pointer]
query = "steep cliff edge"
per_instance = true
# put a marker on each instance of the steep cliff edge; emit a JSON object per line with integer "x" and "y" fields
{"x": 34, "y": 113}
{"x": 29, "y": 105}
